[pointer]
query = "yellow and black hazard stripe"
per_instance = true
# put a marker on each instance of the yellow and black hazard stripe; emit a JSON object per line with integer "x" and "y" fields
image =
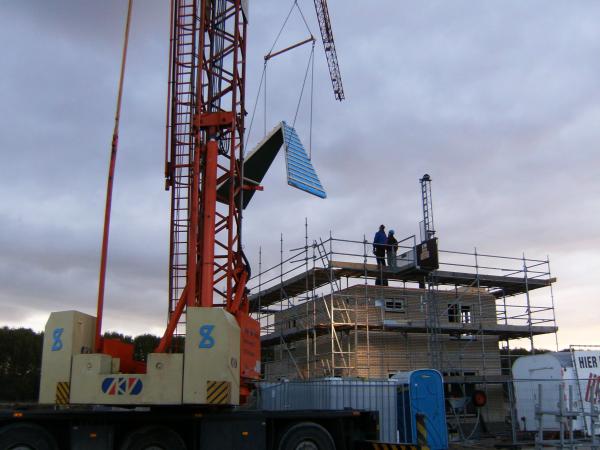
{"x": 421, "y": 430}
{"x": 218, "y": 392}
{"x": 368, "y": 445}
{"x": 62, "y": 393}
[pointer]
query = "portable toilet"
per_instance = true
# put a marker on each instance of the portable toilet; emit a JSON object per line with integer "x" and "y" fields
{"x": 421, "y": 409}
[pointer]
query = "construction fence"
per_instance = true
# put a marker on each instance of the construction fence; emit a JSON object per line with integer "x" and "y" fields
{"x": 542, "y": 413}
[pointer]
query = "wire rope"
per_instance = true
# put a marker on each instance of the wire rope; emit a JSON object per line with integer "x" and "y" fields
{"x": 265, "y": 104}
{"x": 283, "y": 26}
{"x": 312, "y": 91}
{"x": 249, "y": 132}
{"x": 263, "y": 80}
{"x": 303, "y": 18}
{"x": 312, "y": 53}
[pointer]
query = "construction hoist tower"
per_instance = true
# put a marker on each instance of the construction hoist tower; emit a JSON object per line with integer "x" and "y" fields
{"x": 427, "y": 230}
{"x": 428, "y": 249}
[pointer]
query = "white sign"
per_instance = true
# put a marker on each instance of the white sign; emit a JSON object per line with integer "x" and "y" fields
{"x": 587, "y": 368}
{"x": 587, "y": 364}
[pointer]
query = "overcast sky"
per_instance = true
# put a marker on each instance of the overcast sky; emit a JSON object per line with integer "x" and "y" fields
{"x": 499, "y": 101}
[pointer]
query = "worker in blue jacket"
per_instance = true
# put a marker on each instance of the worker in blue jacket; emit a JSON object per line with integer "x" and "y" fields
{"x": 379, "y": 245}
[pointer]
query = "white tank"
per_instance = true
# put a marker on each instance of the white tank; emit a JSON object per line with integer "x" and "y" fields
{"x": 548, "y": 370}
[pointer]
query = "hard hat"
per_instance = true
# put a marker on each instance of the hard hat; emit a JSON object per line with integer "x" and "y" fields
{"x": 391, "y": 231}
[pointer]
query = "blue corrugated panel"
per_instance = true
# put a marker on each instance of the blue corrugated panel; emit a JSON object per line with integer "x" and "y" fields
{"x": 300, "y": 171}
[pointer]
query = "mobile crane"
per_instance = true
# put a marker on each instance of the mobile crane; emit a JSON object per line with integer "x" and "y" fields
{"x": 93, "y": 395}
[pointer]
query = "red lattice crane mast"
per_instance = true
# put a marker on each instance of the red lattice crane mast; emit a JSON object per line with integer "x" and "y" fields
{"x": 204, "y": 152}
{"x": 204, "y": 161}
{"x": 204, "y": 168}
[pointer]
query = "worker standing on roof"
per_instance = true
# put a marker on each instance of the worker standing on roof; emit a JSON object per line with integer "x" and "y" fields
{"x": 379, "y": 245}
{"x": 391, "y": 249}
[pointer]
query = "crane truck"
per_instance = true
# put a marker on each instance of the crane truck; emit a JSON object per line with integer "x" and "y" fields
{"x": 93, "y": 394}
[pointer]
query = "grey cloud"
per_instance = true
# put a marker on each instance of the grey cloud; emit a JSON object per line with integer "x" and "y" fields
{"x": 497, "y": 100}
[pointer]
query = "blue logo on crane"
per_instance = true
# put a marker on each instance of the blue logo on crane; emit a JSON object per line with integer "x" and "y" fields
{"x": 206, "y": 341}
{"x": 57, "y": 343}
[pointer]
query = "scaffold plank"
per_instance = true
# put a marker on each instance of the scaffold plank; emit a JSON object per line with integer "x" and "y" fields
{"x": 500, "y": 330}
{"x": 291, "y": 287}
{"x": 496, "y": 285}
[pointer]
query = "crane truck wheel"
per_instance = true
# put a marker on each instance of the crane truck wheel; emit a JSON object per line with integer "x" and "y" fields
{"x": 306, "y": 436}
{"x": 153, "y": 438}
{"x": 26, "y": 436}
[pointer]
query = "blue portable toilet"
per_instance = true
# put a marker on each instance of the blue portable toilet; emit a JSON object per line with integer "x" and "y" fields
{"x": 421, "y": 409}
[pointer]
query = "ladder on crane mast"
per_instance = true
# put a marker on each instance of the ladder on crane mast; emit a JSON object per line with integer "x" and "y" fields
{"x": 178, "y": 168}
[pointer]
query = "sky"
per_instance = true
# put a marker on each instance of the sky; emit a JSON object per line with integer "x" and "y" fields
{"x": 498, "y": 101}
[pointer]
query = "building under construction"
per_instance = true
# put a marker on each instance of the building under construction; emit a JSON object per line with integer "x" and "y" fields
{"x": 323, "y": 313}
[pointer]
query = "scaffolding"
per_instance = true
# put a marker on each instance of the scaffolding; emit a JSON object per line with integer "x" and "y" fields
{"x": 322, "y": 315}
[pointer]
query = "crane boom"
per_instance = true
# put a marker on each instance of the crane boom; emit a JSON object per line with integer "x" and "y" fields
{"x": 329, "y": 46}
